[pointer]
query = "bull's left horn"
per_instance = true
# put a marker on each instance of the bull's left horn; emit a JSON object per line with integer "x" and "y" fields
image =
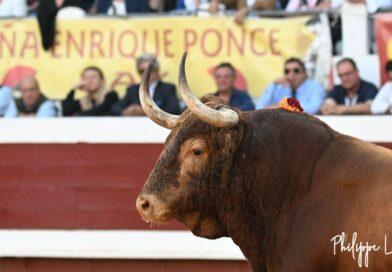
{"x": 224, "y": 117}
{"x": 157, "y": 115}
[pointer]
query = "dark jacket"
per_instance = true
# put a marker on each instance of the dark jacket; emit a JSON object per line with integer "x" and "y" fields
{"x": 367, "y": 91}
{"x": 71, "y": 107}
{"x": 132, "y": 6}
{"x": 164, "y": 96}
{"x": 46, "y": 15}
{"x": 241, "y": 100}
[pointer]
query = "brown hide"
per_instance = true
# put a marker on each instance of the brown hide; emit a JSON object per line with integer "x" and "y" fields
{"x": 299, "y": 184}
{"x": 281, "y": 184}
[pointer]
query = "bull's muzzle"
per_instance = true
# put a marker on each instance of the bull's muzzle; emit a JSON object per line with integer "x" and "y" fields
{"x": 144, "y": 207}
{"x": 151, "y": 209}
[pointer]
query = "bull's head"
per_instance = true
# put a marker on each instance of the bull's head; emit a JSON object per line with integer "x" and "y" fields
{"x": 190, "y": 180}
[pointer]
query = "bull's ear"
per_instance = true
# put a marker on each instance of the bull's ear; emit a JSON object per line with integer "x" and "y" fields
{"x": 223, "y": 118}
{"x": 157, "y": 115}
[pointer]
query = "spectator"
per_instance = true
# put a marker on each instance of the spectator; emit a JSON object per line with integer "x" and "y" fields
{"x": 373, "y": 5}
{"x": 122, "y": 7}
{"x": 303, "y": 5}
{"x": 225, "y": 76}
{"x": 13, "y": 8}
{"x": 98, "y": 99}
{"x": 192, "y": 5}
{"x": 296, "y": 84}
{"x": 32, "y": 6}
{"x": 5, "y": 99}
{"x": 163, "y": 94}
{"x": 32, "y": 102}
{"x": 162, "y": 5}
{"x": 46, "y": 15}
{"x": 353, "y": 96}
{"x": 383, "y": 101}
{"x": 244, "y": 7}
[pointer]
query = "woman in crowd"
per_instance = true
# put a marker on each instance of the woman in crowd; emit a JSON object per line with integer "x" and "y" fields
{"x": 97, "y": 101}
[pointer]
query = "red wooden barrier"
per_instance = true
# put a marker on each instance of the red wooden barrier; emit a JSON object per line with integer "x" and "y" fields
{"x": 75, "y": 186}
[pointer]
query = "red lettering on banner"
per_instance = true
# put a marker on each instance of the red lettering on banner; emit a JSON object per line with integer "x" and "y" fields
{"x": 273, "y": 41}
{"x": 30, "y": 42}
{"x": 240, "y": 45}
{"x": 79, "y": 45}
{"x": 111, "y": 43}
{"x": 53, "y": 49}
{"x": 190, "y": 38}
{"x": 157, "y": 47}
{"x": 167, "y": 42}
{"x": 133, "y": 45}
{"x": 4, "y": 42}
{"x": 253, "y": 41}
{"x": 204, "y": 45}
{"x": 122, "y": 79}
{"x": 96, "y": 39}
{"x": 144, "y": 38}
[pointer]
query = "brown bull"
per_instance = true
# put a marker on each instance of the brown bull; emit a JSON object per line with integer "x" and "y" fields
{"x": 283, "y": 185}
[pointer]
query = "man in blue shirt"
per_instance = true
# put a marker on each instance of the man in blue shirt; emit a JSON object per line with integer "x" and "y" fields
{"x": 32, "y": 101}
{"x": 5, "y": 99}
{"x": 353, "y": 96}
{"x": 225, "y": 75}
{"x": 296, "y": 84}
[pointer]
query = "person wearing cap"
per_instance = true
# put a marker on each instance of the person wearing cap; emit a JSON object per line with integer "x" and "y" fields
{"x": 382, "y": 103}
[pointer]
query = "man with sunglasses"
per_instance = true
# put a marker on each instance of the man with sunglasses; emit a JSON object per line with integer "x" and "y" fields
{"x": 296, "y": 84}
{"x": 353, "y": 95}
{"x": 163, "y": 94}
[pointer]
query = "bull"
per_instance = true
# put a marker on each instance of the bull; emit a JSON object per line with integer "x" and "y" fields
{"x": 291, "y": 192}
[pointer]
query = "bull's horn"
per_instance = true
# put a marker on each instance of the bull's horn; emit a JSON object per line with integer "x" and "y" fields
{"x": 157, "y": 115}
{"x": 224, "y": 117}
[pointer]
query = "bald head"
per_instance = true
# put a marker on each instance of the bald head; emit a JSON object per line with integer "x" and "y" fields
{"x": 30, "y": 91}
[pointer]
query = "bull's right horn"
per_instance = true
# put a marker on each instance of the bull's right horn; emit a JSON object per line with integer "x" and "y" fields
{"x": 224, "y": 117}
{"x": 157, "y": 115}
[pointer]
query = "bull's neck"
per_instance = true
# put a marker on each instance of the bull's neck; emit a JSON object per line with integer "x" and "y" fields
{"x": 272, "y": 173}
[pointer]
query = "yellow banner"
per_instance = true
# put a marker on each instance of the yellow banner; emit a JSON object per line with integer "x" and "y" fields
{"x": 257, "y": 50}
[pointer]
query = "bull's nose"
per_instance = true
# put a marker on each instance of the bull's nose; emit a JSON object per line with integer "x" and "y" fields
{"x": 143, "y": 205}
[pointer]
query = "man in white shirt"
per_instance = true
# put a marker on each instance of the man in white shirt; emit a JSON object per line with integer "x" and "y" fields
{"x": 382, "y": 103}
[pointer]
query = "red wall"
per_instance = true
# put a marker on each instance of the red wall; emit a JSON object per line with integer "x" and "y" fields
{"x": 61, "y": 265}
{"x": 75, "y": 186}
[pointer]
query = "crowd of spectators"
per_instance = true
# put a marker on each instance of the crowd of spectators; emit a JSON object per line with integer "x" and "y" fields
{"x": 352, "y": 96}
{"x": 15, "y": 8}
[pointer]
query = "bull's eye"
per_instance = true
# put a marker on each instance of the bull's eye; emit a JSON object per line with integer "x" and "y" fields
{"x": 197, "y": 152}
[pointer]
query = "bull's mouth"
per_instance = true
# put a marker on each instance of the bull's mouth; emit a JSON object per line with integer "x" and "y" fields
{"x": 157, "y": 218}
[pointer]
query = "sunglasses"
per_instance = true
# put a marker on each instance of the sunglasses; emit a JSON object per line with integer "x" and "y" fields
{"x": 341, "y": 75}
{"x": 295, "y": 71}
